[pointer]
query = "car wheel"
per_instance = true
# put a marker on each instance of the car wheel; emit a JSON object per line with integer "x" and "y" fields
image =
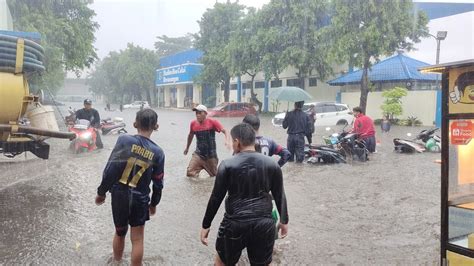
{"x": 342, "y": 123}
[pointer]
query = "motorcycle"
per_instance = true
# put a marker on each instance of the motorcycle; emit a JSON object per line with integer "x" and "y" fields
{"x": 113, "y": 126}
{"x": 430, "y": 142}
{"x": 85, "y": 137}
{"x": 339, "y": 148}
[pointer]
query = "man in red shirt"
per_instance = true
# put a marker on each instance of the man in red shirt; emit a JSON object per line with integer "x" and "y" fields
{"x": 205, "y": 155}
{"x": 364, "y": 126}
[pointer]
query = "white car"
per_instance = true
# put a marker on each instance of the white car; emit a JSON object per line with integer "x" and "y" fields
{"x": 137, "y": 104}
{"x": 327, "y": 114}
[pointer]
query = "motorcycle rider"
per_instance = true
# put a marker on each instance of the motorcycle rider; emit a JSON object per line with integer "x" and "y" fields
{"x": 92, "y": 115}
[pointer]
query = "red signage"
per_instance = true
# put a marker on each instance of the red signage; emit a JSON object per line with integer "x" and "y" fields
{"x": 461, "y": 132}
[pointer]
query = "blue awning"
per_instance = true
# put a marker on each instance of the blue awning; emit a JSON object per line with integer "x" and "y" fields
{"x": 399, "y": 68}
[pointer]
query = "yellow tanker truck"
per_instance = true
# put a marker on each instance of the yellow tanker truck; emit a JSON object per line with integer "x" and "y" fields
{"x": 20, "y": 57}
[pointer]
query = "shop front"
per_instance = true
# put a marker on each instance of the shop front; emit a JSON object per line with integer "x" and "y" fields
{"x": 457, "y": 170}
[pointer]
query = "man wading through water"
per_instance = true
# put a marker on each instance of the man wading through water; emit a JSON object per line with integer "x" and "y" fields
{"x": 205, "y": 156}
{"x": 247, "y": 178}
{"x": 299, "y": 126}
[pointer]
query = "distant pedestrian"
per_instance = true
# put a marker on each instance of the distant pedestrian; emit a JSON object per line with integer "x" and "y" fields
{"x": 205, "y": 155}
{"x": 364, "y": 126}
{"x": 385, "y": 124}
{"x": 121, "y": 107}
{"x": 297, "y": 122}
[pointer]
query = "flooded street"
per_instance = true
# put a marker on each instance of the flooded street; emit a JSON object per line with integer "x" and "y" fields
{"x": 383, "y": 212}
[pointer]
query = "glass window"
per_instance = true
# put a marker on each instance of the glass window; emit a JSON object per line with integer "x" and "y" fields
{"x": 313, "y": 82}
{"x": 329, "y": 108}
{"x": 461, "y": 184}
{"x": 276, "y": 83}
{"x": 259, "y": 85}
{"x": 233, "y": 87}
{"x": 319, "y": 109}
{"x": 293, "y": 82}
{"x": 340, "y": 108}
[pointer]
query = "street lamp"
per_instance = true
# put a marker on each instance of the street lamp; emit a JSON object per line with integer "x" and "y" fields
{"x": 440, "y": 35}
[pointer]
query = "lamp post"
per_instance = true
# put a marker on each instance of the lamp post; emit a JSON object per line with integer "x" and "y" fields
{"x": 440, "y": 35}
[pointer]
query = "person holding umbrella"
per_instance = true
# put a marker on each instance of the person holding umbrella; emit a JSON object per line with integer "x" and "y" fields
{"x": 297, "y": 124}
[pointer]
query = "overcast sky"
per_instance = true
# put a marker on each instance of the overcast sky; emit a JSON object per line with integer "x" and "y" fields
{"x": 140, "y": 21}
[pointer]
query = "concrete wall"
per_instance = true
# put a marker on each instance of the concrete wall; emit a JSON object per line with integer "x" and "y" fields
{"x": 321, "y": 92}
{"x": 421, "y": 104}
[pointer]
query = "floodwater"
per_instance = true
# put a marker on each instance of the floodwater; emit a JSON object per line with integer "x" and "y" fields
{"x": 382, "y": 212}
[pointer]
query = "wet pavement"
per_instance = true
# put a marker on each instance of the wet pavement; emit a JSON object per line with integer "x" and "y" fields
{"x": 382, "y": 212}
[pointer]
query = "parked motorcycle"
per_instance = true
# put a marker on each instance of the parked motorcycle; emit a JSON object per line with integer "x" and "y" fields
{"x": 339, "y": 148}
{"x": 86, "y": 135}
{"x": 430, "y": 142}
{"x": 113, "y": 126}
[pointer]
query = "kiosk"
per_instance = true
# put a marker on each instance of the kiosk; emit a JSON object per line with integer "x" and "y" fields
{"x": 457, "y": 164}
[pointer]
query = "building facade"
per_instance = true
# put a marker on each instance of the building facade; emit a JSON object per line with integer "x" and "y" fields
{"x": 176, "y": 82}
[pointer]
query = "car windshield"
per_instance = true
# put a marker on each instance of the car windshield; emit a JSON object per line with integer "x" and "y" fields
{"x": 219, "y": 107}
{"x": 306, "y": 107}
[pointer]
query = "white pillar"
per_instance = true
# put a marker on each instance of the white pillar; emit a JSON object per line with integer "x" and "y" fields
{"x": 167, "y": 96}
{"x": 180, "y": 94}
{"x": 197, "y": 93}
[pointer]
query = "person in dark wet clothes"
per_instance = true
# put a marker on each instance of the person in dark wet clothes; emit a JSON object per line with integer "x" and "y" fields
{"x": 298, "y": 124}
{"x": 247, "y": 179}
{"x": 135, "y": 162}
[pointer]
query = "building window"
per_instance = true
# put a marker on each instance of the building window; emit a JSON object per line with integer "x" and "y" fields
{"x": 233, "y": 87}
{"x": 293, "y": 82}
{"x": 247, "y": 85}
{"x": 259, "y": 84}
{"x": 313, "y": 82}
{"x": 276, "y": 83}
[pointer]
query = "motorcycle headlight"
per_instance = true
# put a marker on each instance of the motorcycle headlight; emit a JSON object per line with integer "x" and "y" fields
{"x": 85, "y": 136}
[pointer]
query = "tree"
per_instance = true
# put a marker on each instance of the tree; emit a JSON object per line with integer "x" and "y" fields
{"x": 215, "y": 28}
{"x": 302, "y": 44}
{"x": 244, "y": 56}
{"x": 392, "y": 105}
{"x": 67, "y": 33}
{"x": 369, "y": 29}
{"x": 130, "y": 72}
{"x": 168, "y": 45}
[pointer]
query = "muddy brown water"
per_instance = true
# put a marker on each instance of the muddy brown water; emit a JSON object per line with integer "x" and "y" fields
{"x": 383, "y": 212}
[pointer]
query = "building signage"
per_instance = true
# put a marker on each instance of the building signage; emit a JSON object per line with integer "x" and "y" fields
{"x": 461, "y": 132}
{"x": 177, "y": 74}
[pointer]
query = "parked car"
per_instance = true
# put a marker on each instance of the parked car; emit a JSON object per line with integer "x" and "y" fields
{"x": 137, "y": 104}
{"x": 327, "y": 114}
{"x": 232, "y": 110}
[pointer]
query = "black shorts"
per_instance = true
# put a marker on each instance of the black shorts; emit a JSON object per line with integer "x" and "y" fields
{"x": 258, "y": 236}
{"x": 129, "y": 207}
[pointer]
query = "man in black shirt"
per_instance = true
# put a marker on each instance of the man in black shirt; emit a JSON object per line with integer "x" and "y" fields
{"x": 247, "y": 178}
{"x": 298, "y": 124}
{"x": 91, "y": 114}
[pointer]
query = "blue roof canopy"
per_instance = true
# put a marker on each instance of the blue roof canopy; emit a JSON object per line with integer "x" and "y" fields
{"x": 189, "y": 56}
{"x": 393, "y": 69}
